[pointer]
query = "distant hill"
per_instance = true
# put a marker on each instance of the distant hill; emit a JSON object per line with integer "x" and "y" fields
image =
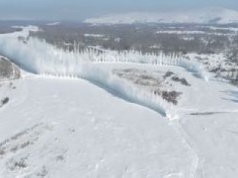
{"x": 202, "y": 16}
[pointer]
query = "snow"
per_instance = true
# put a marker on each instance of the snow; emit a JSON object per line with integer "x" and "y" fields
{"x": 215, "y": 139}
{"x": 180, "y": 32}
{"x": 88, "y": 136}
{"x": 223, "y": 28}
{"x": 94, "y": 35}
{"x": 184, "y": 32}
{"x": 214, "y": 62}
{"x": 203, "y": 16}
{"x": 74, "y": 117}
{"x": 53, "y": 23}
{"x": 49, "y": 60}
{"x": 24, "y": 33}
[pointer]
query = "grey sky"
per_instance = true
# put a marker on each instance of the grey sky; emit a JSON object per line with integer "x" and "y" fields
{"x": 79, "y": 9}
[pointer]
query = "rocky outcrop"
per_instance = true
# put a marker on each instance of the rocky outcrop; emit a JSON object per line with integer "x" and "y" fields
{"x": 8, "y": 70}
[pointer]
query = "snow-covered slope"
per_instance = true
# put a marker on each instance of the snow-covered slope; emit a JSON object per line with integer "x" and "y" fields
{"x": 55, "y": 127}
{"x": 204, "y": 16}
{"x": 71, "y": 128}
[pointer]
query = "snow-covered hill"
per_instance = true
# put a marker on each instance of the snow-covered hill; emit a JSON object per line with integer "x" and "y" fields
{"x": 71, "y": 127}
{"x": 95, "y": 119}
{"x": 203, "y": 16}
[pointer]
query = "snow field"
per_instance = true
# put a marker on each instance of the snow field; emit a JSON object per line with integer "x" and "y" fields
{"x": 93, "y": 134}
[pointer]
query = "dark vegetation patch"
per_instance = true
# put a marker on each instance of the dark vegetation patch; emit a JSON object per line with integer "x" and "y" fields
{"x": 5, "y": 101}
{"x": 139, "y": 77}
{"x": 154, "y": 83}
{"x": 20, "y": 141}
{"x": 16, "y": 165}
{"x": 205, "y": 113}
{"x": 168, "y": 74}
{"x": 6, "y": 28}
{"x": 43, "y": 172}
{"x": 169, "y": 96}
{"x": 141, "y": 37}
{"x": 175, "y": 78}
{"x": 181, "y": 80}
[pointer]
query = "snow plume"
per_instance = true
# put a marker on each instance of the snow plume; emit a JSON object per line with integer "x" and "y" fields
{"x": 194, "y": 67}
{"x": 127, "y": 90}
{"x": 40, "y": 57}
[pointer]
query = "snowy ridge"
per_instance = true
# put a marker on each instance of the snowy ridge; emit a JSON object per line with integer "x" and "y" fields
{"x": 213, "y": 15}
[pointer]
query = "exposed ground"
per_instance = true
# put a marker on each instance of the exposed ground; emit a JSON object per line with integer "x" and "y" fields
{"x": 8, "y": 70}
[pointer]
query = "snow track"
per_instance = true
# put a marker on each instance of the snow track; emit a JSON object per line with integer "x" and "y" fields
{"x": 195, "y": 163}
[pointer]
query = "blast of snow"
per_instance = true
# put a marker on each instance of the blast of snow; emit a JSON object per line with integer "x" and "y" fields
{"x": 42, "y": 58}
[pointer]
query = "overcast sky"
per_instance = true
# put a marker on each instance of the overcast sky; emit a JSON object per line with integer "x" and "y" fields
{"x": 80, "y": 9}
